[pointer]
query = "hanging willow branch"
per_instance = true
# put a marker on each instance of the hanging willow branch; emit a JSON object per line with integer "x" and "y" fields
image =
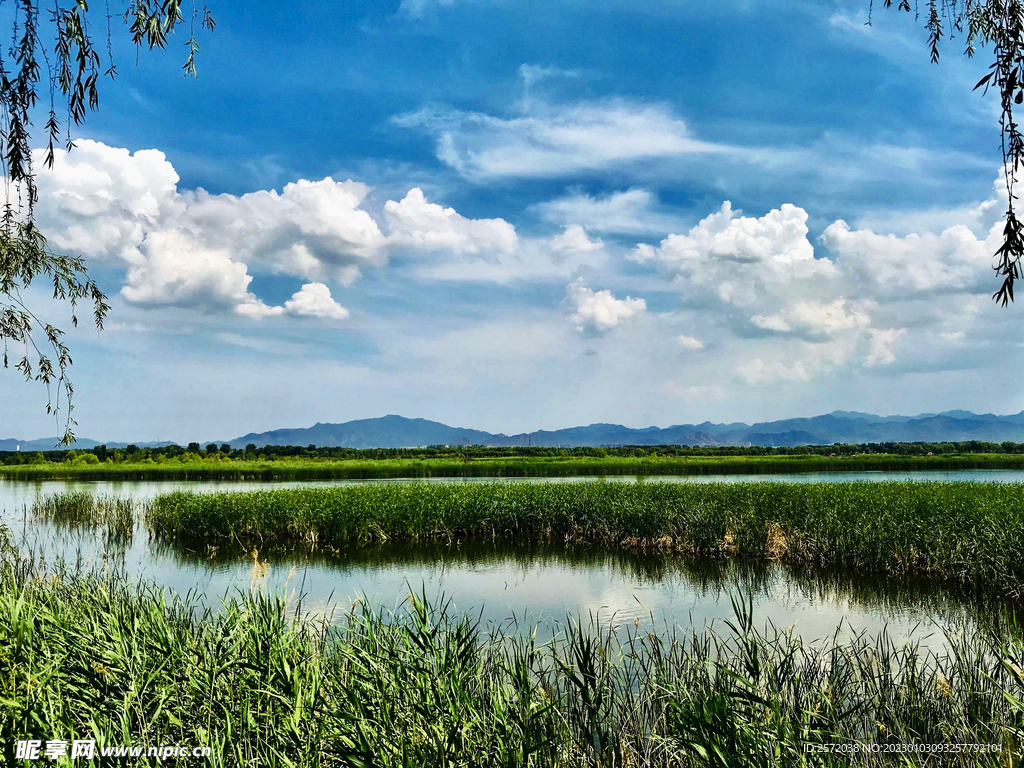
{"x": 60, "y": 36}
{"x": 998, "y": 25}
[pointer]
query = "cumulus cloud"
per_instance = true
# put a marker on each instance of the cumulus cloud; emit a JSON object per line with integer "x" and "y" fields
{"x": 555, "y": 140}
{"x": 313, "y": 229}
{"x": 574, "y": 240}
{"x": 100, "y": 201}
{"x": 600, "y": 311}
{"x": 778, "y": 307}
{"x": 177, "y": 272}
{"x": 862, "y": 303}
{"x": 104, "y": 202}
{"x": 257, "y": 310}
{"x": 953, "y": 261}
{"x": 732, "y": 252}
{"x": 314, "y": 300}
{"x": 191, "y": 248}
{"x": 418, "y": 223}
{"x": 762, "y": 275}
{"x": 174, "y": 270}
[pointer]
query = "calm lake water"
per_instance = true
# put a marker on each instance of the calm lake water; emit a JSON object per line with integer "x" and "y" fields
{"x": 535, "y": 585}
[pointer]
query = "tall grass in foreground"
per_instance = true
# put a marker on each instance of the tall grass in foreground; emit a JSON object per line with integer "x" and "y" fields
{"x": 971, "y": 533}
{"x": 550, "y": 466}
{"x": 82, "y": 657}
{"x": 78, "y": 509}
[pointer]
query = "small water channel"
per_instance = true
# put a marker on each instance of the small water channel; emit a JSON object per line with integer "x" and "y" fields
{"x": 535, "y": 585}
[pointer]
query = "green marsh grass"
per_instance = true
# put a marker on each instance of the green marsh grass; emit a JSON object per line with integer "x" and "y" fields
{"x": 77, "y": 509}
{"x": 365, "y": 469}
{"x": 969, "y": 533}
{"x": 85, "y": 657}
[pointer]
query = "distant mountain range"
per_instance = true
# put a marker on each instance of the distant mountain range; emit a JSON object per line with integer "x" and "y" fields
{"x": 835, "y": 427}
{"x": 50, "y": 444}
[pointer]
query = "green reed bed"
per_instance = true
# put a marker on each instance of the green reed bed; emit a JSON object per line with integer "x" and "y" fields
{"x": 78, "y": 509}
{"x": 84, "y": 657}
{"x": 364, "y": 469}
{"x": 972, "y": 533}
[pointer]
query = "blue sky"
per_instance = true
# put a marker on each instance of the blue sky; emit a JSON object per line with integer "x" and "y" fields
{"x": 512, "y": 215}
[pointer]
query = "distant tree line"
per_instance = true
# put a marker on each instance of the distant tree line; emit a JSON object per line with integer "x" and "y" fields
{"x": 224, "y": 452}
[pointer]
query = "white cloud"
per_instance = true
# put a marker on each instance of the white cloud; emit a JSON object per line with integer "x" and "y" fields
{"x": 758, "y": 372}
{"x": 814, "y": 319}
{"x": 599, "y": 310}
{"x": 876, "y": 299}
{"x": 554, "y": 140}
{"x": 417, "y": 223}
{"x": 99, "y": 201}
{"x": 104, "y": 202}
{"x": 689, "y": 342}
{"x": 891, "y": 267}
{"x": 196, "y": 249}
{"x": 175, "y": 270}
{"x": 311, "y": 229}
{"x": 314, "y": 300}
{"x": 767, "y": 304}
{"x": 726, "y": 248}
{"x": 881, "y": 343}
{"x": 633, "y": 211}
{"x": 762, "y": 275}
{"x": 574, "y": 240}
{"x": 257, "y": 310}
{"x": 193, "y": 248}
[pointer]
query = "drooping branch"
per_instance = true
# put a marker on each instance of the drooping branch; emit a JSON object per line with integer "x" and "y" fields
{"x": 30, "y": 345}
{"x": 997, "y": 25}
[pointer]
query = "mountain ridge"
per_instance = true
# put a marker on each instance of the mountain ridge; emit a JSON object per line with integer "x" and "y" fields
{"x": 838, "y": 426}
{"x": 394, "y": 431}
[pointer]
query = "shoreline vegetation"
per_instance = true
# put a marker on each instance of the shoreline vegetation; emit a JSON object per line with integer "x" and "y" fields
{"x": 970, "y": 534}
{"x": 219, "y": 467}
{"x": 126, "y": 663}
{"x": 262, "y": 682}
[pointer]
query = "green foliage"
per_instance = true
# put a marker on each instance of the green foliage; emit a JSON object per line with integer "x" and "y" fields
{"x": 198, "y": 466}
{"x": 78, "y": 509}
{"x": 82, "y": 657}
{"x": 971, "y": 533}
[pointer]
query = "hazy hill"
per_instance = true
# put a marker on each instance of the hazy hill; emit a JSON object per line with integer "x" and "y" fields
{"x": 835, "y": 427}
{"x": 384, "y": 432}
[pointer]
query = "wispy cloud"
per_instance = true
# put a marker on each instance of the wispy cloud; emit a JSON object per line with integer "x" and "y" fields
{"x": 555, "y": 140}
{"x": 632, "y": 211}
